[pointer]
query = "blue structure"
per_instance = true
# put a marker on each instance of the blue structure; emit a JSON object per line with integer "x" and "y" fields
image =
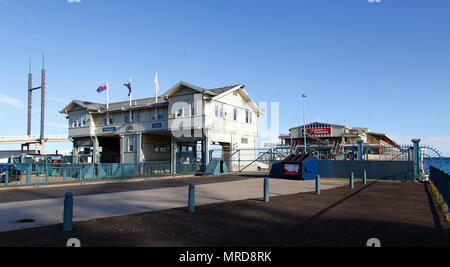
{"x": 217, "y": 167}
{"x": 310, "y": 168}
{"x": 300, "y": 165}
{"x": 68, "y": 212}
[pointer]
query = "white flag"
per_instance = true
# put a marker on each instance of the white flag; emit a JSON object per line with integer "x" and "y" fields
{"x": 157, "y": 87}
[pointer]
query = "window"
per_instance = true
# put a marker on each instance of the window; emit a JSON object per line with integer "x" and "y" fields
{"x": 192, "y": 109}
{"x": 78, "y": 123}
{"x": 161, "y": 148}
{"x": 74, "y": 124}
{"x": 248, "y": 116}
{"x": 219, "y": 111}
{"x": 160, "y": 116}
{"x": 130, "y": 143}
{"x": 244, "y": 140}
{"x": 83, "y": 123}
{"x": 136, "y": 116}
{"x": 154, "y": 116}
{"x": 235, "y": 114}
{"x": 180, "y": 112}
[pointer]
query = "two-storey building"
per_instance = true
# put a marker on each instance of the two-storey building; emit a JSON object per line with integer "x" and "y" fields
{"x": 186, "y": 119}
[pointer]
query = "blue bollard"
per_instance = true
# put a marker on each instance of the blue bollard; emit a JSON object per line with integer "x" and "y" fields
{"x": 266, "y": 189}
{"x": 7, "y": 177}
{"x": 46, "y": 175}
{"x": 318, "y": 184}
{"x": 365, "y": 177}
{"x": 191, "y": 200}
{"x": 68, "y": 212}
{"x": 29, "y": 170}
{"x": 352, "y": 180}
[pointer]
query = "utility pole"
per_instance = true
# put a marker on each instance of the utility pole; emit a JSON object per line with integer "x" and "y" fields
{"x": 304, "y": 122}
{"x": 30, "y": 94}
{"x": 30, "y": 89}
{"x": 42, "y": 102}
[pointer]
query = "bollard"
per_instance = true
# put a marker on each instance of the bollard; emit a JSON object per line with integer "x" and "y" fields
{"x": 318, "y": 184}
{"x": 352, "y": 178}
{"x": 191, "y": 198}
{"x": 29, "y": 170}
{"x": 365, "y": 177}
{"x": 7, "y": 177}
{"x": 46, "y": 174}
{"x": 266, "y": 189}
{"x": 68, "y": 212}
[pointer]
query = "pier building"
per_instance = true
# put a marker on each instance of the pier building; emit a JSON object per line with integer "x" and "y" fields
{"x": 318, "y": 133}
{"x": 180, "y": 125}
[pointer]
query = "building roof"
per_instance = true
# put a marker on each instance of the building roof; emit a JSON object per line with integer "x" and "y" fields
{"x": 147, "y": 102}
{"x": 223, "y": 89}
{"x": 328, "y": 124}
{"x": 5, "y": 154}
{"x": 385, "y": 138}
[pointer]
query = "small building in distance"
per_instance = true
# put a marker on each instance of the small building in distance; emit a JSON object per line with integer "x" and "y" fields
{"x": 318, "y": 133}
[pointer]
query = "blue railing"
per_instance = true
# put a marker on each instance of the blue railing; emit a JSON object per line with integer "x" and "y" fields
{"x": 442, "y": 182}
{"x": 37, "y": 174}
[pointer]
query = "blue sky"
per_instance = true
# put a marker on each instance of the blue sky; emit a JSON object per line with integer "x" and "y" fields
{"x": 379, "y": 65}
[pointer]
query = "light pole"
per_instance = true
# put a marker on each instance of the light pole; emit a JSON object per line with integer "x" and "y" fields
{"x": 304, "y": 122}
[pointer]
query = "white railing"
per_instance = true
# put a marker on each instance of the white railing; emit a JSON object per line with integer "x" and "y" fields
{"x": 33, "y": 138}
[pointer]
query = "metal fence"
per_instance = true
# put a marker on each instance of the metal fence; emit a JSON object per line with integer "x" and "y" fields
{"x": 442, "y": 182}
{"x": 37, "y": 174}
{"x": 261, "y": 159}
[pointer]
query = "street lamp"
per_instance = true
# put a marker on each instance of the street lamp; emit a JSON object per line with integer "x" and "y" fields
{"x": 304, "y": 122}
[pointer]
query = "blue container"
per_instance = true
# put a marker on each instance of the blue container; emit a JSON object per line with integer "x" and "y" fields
{"x": 303, "y": 166}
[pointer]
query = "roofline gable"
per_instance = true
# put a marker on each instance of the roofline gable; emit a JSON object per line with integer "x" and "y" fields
{"x": 246, "y": 96}
{"x": 182, "y": 84}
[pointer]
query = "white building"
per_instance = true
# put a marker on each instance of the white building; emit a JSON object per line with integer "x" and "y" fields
{"x": 186, "y": 120}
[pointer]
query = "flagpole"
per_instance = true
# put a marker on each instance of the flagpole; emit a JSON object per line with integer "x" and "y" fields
{"x": 156, "y": 95}
{"x": 107, "y": 103}
{"x": 156, "y": 88}
{"x": 131, "y": 94}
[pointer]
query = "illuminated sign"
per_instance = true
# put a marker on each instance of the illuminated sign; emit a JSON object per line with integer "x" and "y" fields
{"x": 319, "y": 131}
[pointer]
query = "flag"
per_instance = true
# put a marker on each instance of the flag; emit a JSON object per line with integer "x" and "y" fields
{"x": 128, "y": 85}
{"x": 102, "y": 88}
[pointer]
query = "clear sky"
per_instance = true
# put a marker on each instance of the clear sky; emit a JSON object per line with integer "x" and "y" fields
{"x": 385, "y": 66}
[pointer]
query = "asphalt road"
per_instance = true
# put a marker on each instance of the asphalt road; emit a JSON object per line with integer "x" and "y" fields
{"x": 398, "y": 214}
{"x": 48, "y": 192}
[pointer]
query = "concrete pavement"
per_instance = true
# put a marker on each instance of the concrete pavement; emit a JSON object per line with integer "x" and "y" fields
{"x": 88, "y": 207}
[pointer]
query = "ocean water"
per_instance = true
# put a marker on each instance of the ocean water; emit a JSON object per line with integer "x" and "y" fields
{"x": 444, "y": 165}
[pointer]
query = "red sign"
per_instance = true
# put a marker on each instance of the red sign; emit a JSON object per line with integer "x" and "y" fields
{"x": 291, "y": 169}
{"x": 319, "y": 131}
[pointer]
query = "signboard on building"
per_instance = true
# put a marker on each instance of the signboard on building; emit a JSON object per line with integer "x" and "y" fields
{"x": 319, "y": 131}
{"x": 156, "y": 125}
{"x": 109, "y": 129}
